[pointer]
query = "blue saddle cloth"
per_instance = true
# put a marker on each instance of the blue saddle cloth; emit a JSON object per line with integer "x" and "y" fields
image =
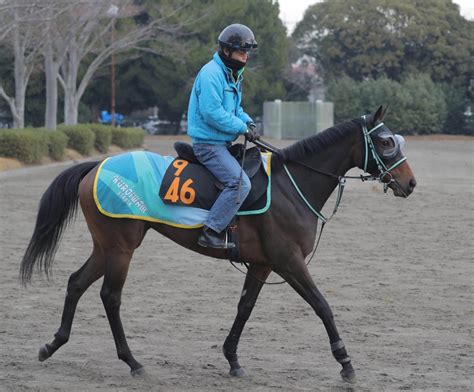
{"x": 128, "y": 185}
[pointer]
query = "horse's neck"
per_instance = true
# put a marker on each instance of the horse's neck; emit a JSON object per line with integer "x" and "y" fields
{"x": 336, "y": 160}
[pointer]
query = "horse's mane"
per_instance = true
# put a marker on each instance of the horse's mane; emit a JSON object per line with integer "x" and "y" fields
{"x": 319, "y": 142}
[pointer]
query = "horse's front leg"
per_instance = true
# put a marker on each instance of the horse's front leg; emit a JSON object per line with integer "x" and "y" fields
{"x": 257, "y": 274}
{"x": 297, "y": 275}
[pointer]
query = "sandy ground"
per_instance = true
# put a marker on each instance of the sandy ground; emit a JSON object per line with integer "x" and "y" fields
{"x": 397, "y": 273}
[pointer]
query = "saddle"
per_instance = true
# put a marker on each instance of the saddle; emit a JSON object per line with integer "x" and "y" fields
{"x": 188, "y": 183}
{"x": 252, "y": 162}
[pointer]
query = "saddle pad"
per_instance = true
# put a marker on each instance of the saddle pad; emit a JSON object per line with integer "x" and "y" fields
{"x": 127, "y": 186}
{"x": 191, "y": 184}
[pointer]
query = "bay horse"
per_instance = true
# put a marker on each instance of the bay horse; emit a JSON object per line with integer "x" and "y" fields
{"x": 303, "y": 176}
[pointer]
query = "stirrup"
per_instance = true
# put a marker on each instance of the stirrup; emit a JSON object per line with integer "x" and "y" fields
{"x": 210, "y": 239}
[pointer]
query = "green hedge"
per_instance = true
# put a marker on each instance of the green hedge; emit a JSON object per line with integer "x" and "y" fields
{"x": 103, "y": 136}
{"x": 32, "y": 144}
{"x": 26, "y": 145}
{"x": 80, "y": 137}
{"x": 57, "y": 143}
{"x": 128, "y": 137}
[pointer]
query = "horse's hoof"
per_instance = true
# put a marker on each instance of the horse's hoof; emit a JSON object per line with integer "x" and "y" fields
{"x": 43, "y": 354}
{"x": 237, "y": 372}
{"x": 348, "y": 375}
{"x": 138, "y": 372}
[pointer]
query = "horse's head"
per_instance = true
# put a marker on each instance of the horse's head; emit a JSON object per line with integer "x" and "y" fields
{"x": 383, "y": 156}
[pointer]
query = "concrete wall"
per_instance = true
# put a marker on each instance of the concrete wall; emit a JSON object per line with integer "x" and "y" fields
{"x": 296, "y": 120}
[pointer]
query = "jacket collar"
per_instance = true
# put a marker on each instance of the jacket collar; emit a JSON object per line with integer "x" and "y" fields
{"x": 227, "y": 70}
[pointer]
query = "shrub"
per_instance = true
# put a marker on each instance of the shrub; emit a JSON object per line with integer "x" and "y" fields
{"x": 57, "y": 144}
{"x": 103, "y": 136}
{"x": 26, "y": 145}
{"x": 417, "y": 105}
{"x": 128, "y": 137}
{"x": 454, "y": 97}
{"x": 424, "y": 110}
{"x": 56, "y": 140}
{"x": 345, "y": 94}
{"x": 80, "y": 137}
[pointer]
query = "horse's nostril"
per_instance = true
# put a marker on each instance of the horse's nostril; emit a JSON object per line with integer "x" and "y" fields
{"x": 412, "y": 183}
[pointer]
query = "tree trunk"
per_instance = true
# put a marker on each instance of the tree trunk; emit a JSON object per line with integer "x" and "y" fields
{"x": 71, "y": 108}
{"x": 51, "y": 74}
{"x": 20, "y": 78}
{"x": 71, "y": 101}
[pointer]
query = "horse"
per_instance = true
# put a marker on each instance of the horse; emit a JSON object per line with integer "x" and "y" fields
{"x": 303, "y": 176}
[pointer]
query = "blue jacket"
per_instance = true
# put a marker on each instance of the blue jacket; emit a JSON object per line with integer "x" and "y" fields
{"x": 214, "y": 112}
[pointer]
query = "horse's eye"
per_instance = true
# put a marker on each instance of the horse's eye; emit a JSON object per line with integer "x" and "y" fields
{"x": 385, "y": 143}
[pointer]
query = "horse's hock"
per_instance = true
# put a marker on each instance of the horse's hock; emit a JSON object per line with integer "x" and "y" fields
{"x": 296, "y": 120}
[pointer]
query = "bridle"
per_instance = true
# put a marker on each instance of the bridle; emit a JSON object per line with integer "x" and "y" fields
{"x": 385, "y": 176}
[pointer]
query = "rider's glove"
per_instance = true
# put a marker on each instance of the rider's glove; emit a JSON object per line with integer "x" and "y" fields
{"x": 251, "y": 135}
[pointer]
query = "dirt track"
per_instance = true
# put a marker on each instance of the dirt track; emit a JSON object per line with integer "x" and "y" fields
{"x": 397, "y": 273}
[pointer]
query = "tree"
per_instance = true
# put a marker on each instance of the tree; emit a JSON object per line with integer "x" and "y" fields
{"x": 54, "y": 52}
{"x": 22, "y": 37}
{"x": 165, "y": 77}
{"x": 371, "y": 38}
{"x": 89, "y": 44}
{"x": 417, "y": 105}
{"x": 80, "y": 42}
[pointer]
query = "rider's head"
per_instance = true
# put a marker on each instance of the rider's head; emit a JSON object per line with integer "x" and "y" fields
{"x": 235, "y": 41}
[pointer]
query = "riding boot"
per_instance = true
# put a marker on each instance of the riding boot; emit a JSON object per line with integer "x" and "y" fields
{"x": 211, "y": 239}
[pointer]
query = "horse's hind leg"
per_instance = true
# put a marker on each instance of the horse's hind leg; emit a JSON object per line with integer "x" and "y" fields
{"x": 253, "y": 284}
{"x": 111, "y": 294}
{"x": 78, "y": 283}
{"x": 298, "y": 276}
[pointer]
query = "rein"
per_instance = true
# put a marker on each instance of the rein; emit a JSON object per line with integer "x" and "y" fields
{"x": 384, "y": 177}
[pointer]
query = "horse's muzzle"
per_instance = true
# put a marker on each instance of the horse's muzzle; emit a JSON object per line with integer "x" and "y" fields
{"x": 403, "y": 181}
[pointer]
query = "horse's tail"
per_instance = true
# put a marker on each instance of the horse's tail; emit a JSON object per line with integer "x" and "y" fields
{"x": 57, "y": 208}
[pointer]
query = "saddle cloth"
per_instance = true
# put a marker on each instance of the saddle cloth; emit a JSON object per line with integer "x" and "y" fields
{"x": 128, "y": 185}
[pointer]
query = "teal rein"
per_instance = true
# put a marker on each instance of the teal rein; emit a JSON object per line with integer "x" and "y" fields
{"x": 341, "y": 185}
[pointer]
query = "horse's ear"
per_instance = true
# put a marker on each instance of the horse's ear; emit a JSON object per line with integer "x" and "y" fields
{"x": 384, "y": 112}
{"x": 378, "y": 114}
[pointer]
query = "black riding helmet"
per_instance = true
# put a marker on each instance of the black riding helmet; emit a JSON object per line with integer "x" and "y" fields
{"x": 237, "y": 37}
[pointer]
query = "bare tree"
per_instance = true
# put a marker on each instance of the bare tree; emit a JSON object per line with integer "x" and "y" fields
{"x": 20, "y": 32}
{"x": 75, "y": 39}
{"x": 89, "y": 43}
{"x": 54, "y": 51}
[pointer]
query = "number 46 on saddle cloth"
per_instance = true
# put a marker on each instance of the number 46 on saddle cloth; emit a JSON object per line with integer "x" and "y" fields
{"x": 147, "y": 186}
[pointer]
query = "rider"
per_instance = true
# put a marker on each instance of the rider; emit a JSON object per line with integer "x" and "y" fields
{"x": 215, "y": 120}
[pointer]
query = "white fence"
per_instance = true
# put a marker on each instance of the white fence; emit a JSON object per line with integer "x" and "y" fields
{"x": 296, "y": 120}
